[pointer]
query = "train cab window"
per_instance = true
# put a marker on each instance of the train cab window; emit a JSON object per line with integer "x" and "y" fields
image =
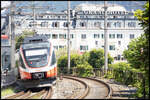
{"x": 53, "y": 59}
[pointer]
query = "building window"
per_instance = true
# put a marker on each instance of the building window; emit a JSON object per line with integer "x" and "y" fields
{"x": 112, "y": 47}
{"x": 119, "y": 57}
{"x": 109, "y": 24}
{"x": 83, "y": 36}
{"x": 117, "y": 24}
{"x": 111, "y": 36}
{"x": 31, "y": 24}
{"x": 96, "y": 36}
{"x": 44, "y": 24}
{"x": 96, "y": 42}
{"x": 54, "y": 36}
{"x": 58, "y": 17}
{"x": 83, "y": 47}
{"x": 52, "y": 17}
{"x": 65, "y": 24}
{"x": 48, "y": 17}
{"x": 83, "y": 24}
{"x": 131, "y": 36}
{"x": 18, "y": 23}
{"x": 119, "y": 36}
{"x": 131, "y": 24}
{"x": 56, "y": 47}
{"x": 62, "y": 36}
{"x": 55, "y": 24}
{"x": 102, "y": 46}
{"x": 81, "y": 16}
{"x": 64, "y": 17}
{"x": 102, "y": 36}
{"x": 119, "y": 42}
{"x": 48, "y": 35}
{"x": 71, "y": 36}
{"x": 61, "y": 46}
{"x": 97, "y": 24}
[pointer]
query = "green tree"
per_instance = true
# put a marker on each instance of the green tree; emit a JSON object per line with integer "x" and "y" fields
{"x": 84, "y": 70}
{"x": 85, "y": 56}
{"x": 63, "y": 62}
{"x": 19, "y": 39}
{"x": 96, "y": 58}
{"x": 138, "y": 52}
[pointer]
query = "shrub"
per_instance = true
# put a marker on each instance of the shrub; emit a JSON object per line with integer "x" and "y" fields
{"x": 85, "y": 56}
{"x": 96, "y": 58}
{"x": 84, "y": 70}
{"x": 122, "y": 72}
{"x": 62, "y": 63}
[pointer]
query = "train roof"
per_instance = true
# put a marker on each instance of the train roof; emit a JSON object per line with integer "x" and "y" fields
{"x": 34, "y": 39}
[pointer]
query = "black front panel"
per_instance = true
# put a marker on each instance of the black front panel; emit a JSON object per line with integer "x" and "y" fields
{"x": 39, "y": 75}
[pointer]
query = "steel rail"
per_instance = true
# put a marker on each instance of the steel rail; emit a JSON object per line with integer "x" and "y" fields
{"x": 20, "y": 95}
{"x": 15, "y": 95}
{"x": 48, "y": 94}
{"x": 109, "y": 95}
{"x": 87, "y": 88}
{"x": 25, "y": 95}
{"x": 37, "y": 94}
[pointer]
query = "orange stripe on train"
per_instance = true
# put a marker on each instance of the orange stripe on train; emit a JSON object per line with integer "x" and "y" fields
{"x": 25, "y": 75}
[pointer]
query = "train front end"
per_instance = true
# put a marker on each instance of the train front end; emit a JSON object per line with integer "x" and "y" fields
{"x": 37, "y": 66}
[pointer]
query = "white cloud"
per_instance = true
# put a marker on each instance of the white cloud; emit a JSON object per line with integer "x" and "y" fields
{"x": 5, "y": 4}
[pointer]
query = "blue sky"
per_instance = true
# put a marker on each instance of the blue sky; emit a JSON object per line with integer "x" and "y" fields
{"x": 62, "y": 5}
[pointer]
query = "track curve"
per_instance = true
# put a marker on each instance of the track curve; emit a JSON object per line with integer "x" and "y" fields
{"x": 98, "y": 88}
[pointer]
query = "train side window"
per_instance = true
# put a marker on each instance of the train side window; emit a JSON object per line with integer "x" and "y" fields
{"x": 53, "y": 61}
{"x": 6, "y": 58}
{"x": 6, "y": 62}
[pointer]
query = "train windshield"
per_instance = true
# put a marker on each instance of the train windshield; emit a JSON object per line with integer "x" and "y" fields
{"x": 37, "y": 54}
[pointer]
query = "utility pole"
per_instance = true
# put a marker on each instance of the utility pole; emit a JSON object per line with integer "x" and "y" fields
{"x": 12, "y": 34}
{"x": 68, "y": 37}
{"x": 106, "y": 37}
{"x": 33, "y": 15}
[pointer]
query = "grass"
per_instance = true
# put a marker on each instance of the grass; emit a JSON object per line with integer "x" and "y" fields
{"x": 7, "y": 91}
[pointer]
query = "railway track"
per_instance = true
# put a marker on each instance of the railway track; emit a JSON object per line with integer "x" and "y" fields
{"x": 95, "y": 89}
{"x": 28, "y": 94}
{"x": 80, "y": 95}
{"x": 88, "y": 88}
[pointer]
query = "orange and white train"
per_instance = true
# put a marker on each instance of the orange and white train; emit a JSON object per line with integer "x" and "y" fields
{"x": 37, "y": 65}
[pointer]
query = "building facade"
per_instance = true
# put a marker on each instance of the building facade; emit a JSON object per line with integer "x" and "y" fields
{"x": 87, "y": 27}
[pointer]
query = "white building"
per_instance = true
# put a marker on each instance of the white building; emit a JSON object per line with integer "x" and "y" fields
{"x": 87, "y": 23}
